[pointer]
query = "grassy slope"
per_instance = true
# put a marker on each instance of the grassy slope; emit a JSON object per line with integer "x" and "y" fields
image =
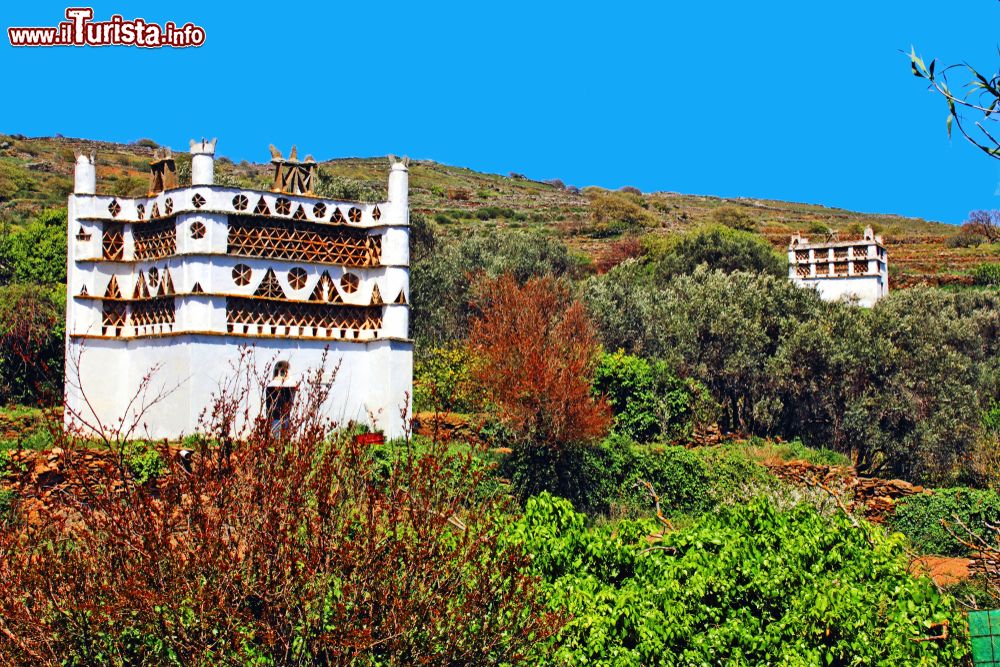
{"x": 37, "y": 173}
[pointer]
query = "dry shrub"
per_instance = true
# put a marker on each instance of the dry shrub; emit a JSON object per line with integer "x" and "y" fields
{"x": 291, "y": 546}
{"x": 618, "y": 212}
{"x": 619, "y": 252}
{"x": 538, "y": 351}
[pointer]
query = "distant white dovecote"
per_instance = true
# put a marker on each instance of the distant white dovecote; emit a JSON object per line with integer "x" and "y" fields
{"x": 182, "y": 278}
{"x": 838, "y": 270}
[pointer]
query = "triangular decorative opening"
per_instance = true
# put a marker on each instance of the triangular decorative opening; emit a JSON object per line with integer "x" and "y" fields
{"x": 162, "y": 289}
{"x": 83, "y": 291}
{"x": 376, "y": 214}
{"x": 168, "y": 282}
{"x": 197, "y": 289}
{"x": 401, "y": 299}
{"x": 335, "y": 297}
{"x": 262, "y": 208}
{"x": 270, "y": 287}
{"x": 113, "y": 292}
{"x": 299, "y": 214}
{"x": 140, "y": 291}
{"x": 324, "y": 287}
{"x": 377, "y": 297}
{"x": 337, "y": 216}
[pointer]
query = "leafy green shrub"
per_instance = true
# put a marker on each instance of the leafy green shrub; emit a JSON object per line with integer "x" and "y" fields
{"x": 443, "y": 279}
{"x": 964, "y": 239}
{"x": 987, "y": 273}
{"x": 143, "y": 461}
{"x": 616, "y": 213}
{"x": 32, "y": 323}
{"x": 720, "y": 248}
{"x": 817, "y": 227}
{"x": 348, "y": 189}
{"x": 8, "y": 506}
{"x": 443, "y": 380}
{"x": 680, "y": 477}
{"x": 606, "y": 479}
{"x": 648, "y": 400}
{"x": 747, "y": 585}
{"x": 991, "y": 419}
{"x": 35, "y": 253}
{"x": 735, "y": 217}
{"x": 920, "y": 519}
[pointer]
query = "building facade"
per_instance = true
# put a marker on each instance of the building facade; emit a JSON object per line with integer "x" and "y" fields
{"x": 177, "y": 285}
{"x": 853, "y": 270}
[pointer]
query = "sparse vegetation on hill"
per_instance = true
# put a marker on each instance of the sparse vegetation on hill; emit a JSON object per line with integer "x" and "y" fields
{"x": 36, "y": 173}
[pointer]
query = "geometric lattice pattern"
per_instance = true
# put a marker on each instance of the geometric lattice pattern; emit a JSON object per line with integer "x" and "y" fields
{"x": 155, "y": 240}
{"x": 269, "y": 287}
{"x": 159, "y": 310}
{"x": 310, "y": 242}
{"x": 325, "y": 319}
{"x": 113, "y": 241}
{"x": 114, "y": 316}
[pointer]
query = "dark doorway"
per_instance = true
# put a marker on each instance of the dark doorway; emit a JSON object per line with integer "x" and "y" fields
{"x": 279, "y": 407}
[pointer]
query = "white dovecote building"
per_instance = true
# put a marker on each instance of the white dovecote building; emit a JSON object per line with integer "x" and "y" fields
{"x": 183, "y": 279}
{"x": 841, "y": 269}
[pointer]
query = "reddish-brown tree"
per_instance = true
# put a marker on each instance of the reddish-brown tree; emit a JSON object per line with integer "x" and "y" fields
{"x": 537, "y": 351}
{"x": 985, "y": 224}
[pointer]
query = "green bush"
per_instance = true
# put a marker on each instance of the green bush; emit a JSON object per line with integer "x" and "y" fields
{"x": 442, "y": 380}
{"x": 746, "y": 585}
{"x": 348, "y": 189}
{"x": 8, "y": 506}
{"x": 606, "y": 479}
{"x": 35, "y": 253}
{"x": 920, "y": 519}
{"x": 987, "y": 273}
{"x": 616, "y": 213}
{"x": 718, "y": 247}
{"x": 32, "y": 324}
{"x": 442, "y": 280}
{"x": 143, "y": 461}
{"x": 648, "y": 400}
{"x": 735, "y": 217}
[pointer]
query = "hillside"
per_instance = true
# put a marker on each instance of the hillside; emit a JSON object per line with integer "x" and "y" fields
{"x": 36, "y": 173}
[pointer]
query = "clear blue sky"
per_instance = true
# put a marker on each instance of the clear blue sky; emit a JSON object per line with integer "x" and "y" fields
{"x": 802, "y": 101}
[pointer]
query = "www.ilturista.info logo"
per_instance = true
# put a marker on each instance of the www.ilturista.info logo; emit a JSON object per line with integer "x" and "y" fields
{"x": 81, "y": 30}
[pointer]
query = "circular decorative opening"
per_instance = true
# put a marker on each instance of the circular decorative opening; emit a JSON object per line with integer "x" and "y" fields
{"x": 281, "y": 369}
{"x": 114, "y": 208}
{"x": 319, "y": 210}
{"x": 349, "y": 283}
{"x": 198, "y": 229}
{"x": 283, "y": 206}
{"x": 154, "y": 277}
{"x": 197, "y": 201}
{"x": 240, "y": 202}
{"x": 297, "y": 278}
{"x": 168, "y": 206}
{"x": 354, "y": 215}
{"x": 241, "y": 274}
